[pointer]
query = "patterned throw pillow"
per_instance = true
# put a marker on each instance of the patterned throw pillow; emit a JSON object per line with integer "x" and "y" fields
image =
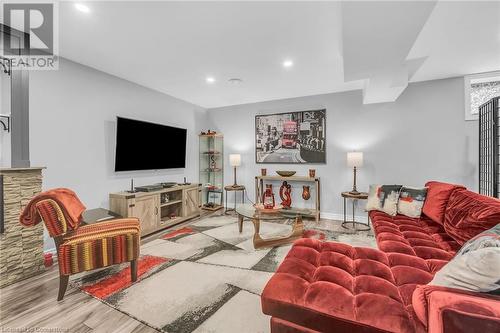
{"x": 411, "y": 201}
{"x": 383, "y": 198}
{"x": 476, "y": 266}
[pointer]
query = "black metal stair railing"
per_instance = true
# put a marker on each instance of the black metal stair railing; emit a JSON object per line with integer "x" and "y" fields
{"x": 489, "y": 157}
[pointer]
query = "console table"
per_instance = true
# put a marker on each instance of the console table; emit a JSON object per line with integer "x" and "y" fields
{"x": 160, "y": 209}
{"x": 315, "y": 212}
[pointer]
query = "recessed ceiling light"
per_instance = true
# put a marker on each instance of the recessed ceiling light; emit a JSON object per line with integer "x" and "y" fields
{"x": 81, "y": 7}
{"x": 210, "y": 79}
{"x": 287, "y": 63}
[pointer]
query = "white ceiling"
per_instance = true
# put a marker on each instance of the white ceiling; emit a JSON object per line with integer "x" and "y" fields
{"x": 459, "y": 38}
{"x": 173, "y": 46}
{"x": 376, "y": 51}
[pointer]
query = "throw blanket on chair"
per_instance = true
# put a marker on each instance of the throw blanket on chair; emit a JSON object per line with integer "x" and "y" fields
{"x": 71, "y": 207}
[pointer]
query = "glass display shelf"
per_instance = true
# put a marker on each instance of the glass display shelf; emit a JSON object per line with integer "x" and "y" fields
{"x": 211, "y": 170}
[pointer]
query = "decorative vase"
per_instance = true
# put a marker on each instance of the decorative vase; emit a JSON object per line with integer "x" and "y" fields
{"x": 306, "y": 192}
{"x": 312, "y": 173}
{"x": 268, "y": 197}
{"x": 286, "y": 195}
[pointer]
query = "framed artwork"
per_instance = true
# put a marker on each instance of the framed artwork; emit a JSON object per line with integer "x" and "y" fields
{"x": 291, "y": 138}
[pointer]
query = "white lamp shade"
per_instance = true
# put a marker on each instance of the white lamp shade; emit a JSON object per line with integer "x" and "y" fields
{"x": 235, "y": 160}
{"x": 355, "y": 159}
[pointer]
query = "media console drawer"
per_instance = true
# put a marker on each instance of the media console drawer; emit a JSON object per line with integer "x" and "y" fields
{"x": 158, "y": 209}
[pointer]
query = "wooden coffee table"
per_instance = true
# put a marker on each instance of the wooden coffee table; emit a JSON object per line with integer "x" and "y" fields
{"x": 250, "y": 212}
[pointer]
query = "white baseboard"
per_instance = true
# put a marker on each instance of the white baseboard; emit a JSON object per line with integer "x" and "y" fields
{"x": 340, "y": 217}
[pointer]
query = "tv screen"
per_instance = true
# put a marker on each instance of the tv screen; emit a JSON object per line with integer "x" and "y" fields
{"x": 146, "y": 146}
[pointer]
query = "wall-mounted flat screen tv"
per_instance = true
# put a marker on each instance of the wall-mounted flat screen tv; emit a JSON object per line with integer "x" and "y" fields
{"x": 141, "y": 145}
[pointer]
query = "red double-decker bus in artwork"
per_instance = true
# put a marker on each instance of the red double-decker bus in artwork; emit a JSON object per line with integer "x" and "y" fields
{"x": 289, "y": 134}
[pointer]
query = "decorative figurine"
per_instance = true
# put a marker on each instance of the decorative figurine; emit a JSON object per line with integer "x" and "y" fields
{"x": 286, "y": 195}
{"x": 209, "y": 132}
{"x": 213, "y": 162}
{"x": 306, "y": 192}
{"x": 268, "y": 197}
{"x": 312, "y": 173}
{"x": 263, "y": 172}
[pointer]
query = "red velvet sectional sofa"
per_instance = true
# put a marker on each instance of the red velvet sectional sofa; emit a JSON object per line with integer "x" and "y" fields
{"x": 334, "y": 287}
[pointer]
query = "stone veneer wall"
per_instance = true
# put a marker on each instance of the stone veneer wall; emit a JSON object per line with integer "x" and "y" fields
{"x": 21, "y": 248}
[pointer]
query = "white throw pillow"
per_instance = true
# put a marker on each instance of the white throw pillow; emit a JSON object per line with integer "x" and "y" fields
{"x": 411, "y": 200}
{"x": 476, "y": 267}
{"x": 383, "y": 198}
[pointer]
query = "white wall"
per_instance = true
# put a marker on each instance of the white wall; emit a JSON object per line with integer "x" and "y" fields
{"x": 421, "y": 136}
{"x": 72, "y": 130}
{"x": 5, "y": 152}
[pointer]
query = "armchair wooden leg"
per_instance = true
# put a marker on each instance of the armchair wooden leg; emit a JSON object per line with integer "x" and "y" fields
{"x": 63, "y": 285}
{"x": 133, "y": 270}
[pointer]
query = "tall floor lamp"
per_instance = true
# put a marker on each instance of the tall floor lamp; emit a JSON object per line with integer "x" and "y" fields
{"x": 354, "y": 160}
{"x": 235, "y": 161}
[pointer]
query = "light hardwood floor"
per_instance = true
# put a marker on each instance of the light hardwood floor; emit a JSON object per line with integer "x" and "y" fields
{"x": 30, "y": 306}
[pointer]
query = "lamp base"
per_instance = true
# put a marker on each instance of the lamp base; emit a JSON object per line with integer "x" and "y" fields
{"x": 235, "y": 184}
{"x": 354, "y": 190}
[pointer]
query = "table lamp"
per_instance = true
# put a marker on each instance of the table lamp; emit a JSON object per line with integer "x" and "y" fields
{"x": 354, "y": 160}
{"x": 235, "y": 161}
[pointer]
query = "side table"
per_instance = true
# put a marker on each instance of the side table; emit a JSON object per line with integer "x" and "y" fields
{"x": 235, "y": 189}
{"x": 96, "y": 215}
{"x": 353, "y": 222}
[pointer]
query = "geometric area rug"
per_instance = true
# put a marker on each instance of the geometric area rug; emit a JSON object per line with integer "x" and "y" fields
{"x": 204, "y": 277}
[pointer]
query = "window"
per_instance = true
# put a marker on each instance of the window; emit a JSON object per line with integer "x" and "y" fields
{"x": 479, "y": 88}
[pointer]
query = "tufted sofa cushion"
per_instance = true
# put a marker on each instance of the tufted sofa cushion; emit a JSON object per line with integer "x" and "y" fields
{"x": 334, "y": 287}
{"x": 468, "y": 214}
{"x": 438, "y": 194}
{"x": 419, "y": 237}
{"x": 327, "y": 286}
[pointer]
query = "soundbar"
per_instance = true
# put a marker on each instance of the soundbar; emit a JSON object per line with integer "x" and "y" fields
{"x": 149, "y": 188}
{"x": 168, "y": 185}
{"x": 154, "y": 187}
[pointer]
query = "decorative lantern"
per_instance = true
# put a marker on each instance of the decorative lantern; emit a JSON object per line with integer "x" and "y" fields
{"x": 268, "y": 197}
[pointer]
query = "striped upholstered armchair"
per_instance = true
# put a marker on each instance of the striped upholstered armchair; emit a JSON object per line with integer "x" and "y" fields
{"x": 84, "y": 247}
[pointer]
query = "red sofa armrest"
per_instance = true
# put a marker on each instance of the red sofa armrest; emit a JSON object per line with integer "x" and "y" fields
{"x": 446, "y": 310}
